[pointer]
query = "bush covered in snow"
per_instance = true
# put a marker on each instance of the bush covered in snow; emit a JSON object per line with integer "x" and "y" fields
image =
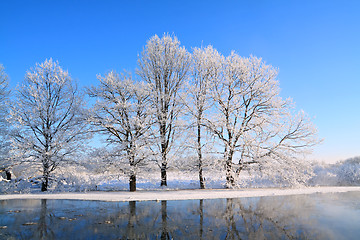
{"x": 342, "y": 173}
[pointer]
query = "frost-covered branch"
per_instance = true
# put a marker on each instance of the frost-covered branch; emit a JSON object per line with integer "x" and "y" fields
{"x": 122, "y": 114}
{"x": 5, "y": 161}
{"x": 164, "y": 65}
{"x": 254, "y": 124}
{"x": 49, "y": 117}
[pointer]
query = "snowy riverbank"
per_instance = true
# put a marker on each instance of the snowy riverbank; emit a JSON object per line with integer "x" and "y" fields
{"x": 180, "y": 194}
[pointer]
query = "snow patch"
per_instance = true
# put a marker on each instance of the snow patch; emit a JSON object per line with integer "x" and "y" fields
{"x": 160, "y": 195}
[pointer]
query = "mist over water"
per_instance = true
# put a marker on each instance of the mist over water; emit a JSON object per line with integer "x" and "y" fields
{"x": 315, "y": 216}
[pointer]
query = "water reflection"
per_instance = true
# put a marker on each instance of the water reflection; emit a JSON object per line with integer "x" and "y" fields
{"x": 164, "y": 231}
{"x": 290, "y": 217}
{"x": 132, "y": 220}
{"x": 201, "y": 216}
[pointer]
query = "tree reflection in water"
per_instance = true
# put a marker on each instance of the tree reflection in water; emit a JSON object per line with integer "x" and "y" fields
{"x": 43, "y": 231}
{"x": 290, "y": 217}
{"x": 164, "y": 231}
{"x": 132, "y": 220}
{"x": 201, "y": 216}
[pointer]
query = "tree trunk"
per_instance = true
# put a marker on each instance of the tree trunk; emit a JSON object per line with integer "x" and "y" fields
{"x": 202, "y": 181}
{"x": 132, "y": 180}
{"x": 45, "y": 183}
{"x": 230, "y": 181}
{"x": 132, "y": 183}
{"x": 8, "y": 175}
{"x": 164, "y": 146}
{"x": 45, "y": 179}
{"x": 201, "y": 178}
{"x": 163, "y": 174}
{"x": 46, "y": 168}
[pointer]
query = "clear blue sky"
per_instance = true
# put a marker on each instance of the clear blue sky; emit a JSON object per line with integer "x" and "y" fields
{"x": 315, "y": 45}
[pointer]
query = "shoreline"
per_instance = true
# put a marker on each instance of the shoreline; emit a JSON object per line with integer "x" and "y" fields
{"x": 160, "y": 195}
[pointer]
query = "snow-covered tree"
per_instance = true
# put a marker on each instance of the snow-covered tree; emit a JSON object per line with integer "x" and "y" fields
{"x": 49, "y": 118}
{"x": 4, "y": 127}
{"x": 122, "y": 114}
{"x": 348, "y": 171}
{"x": 164, "y": 65}
{"x": 253, "y": 123}
{"x": 206, "y": 66}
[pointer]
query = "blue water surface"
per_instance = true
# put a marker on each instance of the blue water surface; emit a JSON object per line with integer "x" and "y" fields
{"x": 314, "y": 216}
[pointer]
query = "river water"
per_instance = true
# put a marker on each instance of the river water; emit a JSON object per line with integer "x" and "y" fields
{"x": 313, "y": 216}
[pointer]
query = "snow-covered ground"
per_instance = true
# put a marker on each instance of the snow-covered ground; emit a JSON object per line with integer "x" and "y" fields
{"x": 180, "y": 194}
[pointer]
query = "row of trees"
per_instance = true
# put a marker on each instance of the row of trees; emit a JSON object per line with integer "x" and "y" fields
{"x": 229, "y": 105}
